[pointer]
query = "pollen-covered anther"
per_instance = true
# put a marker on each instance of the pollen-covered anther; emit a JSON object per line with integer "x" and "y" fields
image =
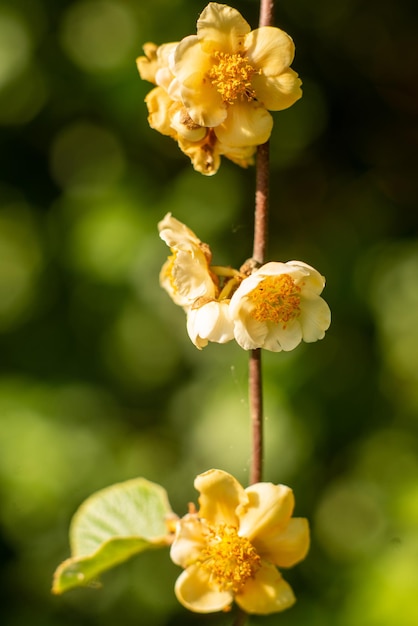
{"x": 231, "y": 75}
{"x": 276, "y": 299}
{"x": 230, "y": 559}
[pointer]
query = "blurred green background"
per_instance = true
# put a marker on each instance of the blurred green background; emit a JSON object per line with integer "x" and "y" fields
{"x": 99, "y": 381}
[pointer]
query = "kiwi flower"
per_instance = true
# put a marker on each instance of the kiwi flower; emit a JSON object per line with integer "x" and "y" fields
{"x": 231, "y": 548}
{"x": 191, "y": 283}
{"x": 186, "y": 274}
{"x": 228, "y": 77}
{"x": 168, "y": 115}
{"x": 278, "y": 306}
{"x": 214, "y": 90}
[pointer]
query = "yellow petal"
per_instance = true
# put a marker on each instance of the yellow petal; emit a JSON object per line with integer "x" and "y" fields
{"x": 222, "y": 28}
{"x": 303, "y": 273}
{"x": 204, "y": 154}
{"x": 315, "y": 318}
{"x": 247, "y": 124}
{"x": 189, "y": 541}
{"x": 242, "y": 156}
{"x": 249, "y": 333}
{"x": 283, "y": 338}
{"x": 288, "y": 547}
{"x": 266, "y": 593}
{"x": 147, "y": 65}
{"x": 269, "y": 507}
{"x": 201, "y": 99}
{"x": 220, "y": 495}
{"x": 176, "y": 234}
{"x": 189, "y": 58}
{"x": 193, "y": 591}
{"x": 184, "y": 125}
{"x": 192, "y": 277}
{"x": 159, "y": 108}
{"x": 269, "y": 49}
{"x": 277, "y": 92}
{"x": 209, "y": 322}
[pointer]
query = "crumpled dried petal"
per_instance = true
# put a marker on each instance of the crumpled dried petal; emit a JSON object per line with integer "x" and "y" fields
{"x": 186, "y": 274}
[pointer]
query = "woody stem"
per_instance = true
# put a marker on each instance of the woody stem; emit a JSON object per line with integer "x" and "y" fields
{"x": 259, "y": 253}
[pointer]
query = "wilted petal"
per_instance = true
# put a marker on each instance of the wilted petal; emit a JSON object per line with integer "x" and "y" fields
{"x": 185, "y": 275}
{"x": 147, "y": 65}
{"x": 220, "y": 494}
{"x": 184, "y": 125}
{"x": 176, "y": 234}
{"x": 193, "y": 590}
{"x": 269, "y": 49}
{"x": 204, "y": 154}
{"x": 267, "y": 593}
{"x": 159, "y": 109}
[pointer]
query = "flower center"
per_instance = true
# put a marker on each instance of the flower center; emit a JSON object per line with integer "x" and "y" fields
{"x": 275, "y": 299}
{"x": 231, "y": 75}
{"x": 231, "y": 560}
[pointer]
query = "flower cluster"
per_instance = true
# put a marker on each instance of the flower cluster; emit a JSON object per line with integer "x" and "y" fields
{"x": 230, "y": 549}
{"x": 274, "y": 307}
{"x": 214, "y": 90}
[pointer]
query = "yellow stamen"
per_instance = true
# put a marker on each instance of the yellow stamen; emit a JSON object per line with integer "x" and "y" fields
{"x": 230, "y": 559}
{"x": 275, "y": 299}
{"x": 231, "y": 75}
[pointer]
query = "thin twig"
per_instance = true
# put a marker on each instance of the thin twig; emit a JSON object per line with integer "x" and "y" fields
{"x": 261, "y": 203}
{"x": 259, "y": 254}
{"x": 256, "y": 409}
{"x": 266, "y": 13}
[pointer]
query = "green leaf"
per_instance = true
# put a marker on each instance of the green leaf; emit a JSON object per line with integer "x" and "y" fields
{"x": 110, "y": 527}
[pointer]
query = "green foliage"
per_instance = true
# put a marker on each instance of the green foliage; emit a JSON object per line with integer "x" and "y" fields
{"x": 112, "y": 526}
{"x": 98, "y": 380}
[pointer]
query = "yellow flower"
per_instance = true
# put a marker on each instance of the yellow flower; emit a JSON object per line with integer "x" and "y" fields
{"x": 168, "y": 115}
{"x": 228, "y": 76}
{"x": 278, "y": 306}
{"x": 190, "y": 282}
{"x": 230, "y": 549}
{"x": 186, "y": 275}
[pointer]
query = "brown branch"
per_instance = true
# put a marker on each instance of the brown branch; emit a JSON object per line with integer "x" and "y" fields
{"x": 266, "y": 13}
{"x": 261, "y": 203}
{"x": 259, "y": 254}
{"x": 256, "y": 411}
